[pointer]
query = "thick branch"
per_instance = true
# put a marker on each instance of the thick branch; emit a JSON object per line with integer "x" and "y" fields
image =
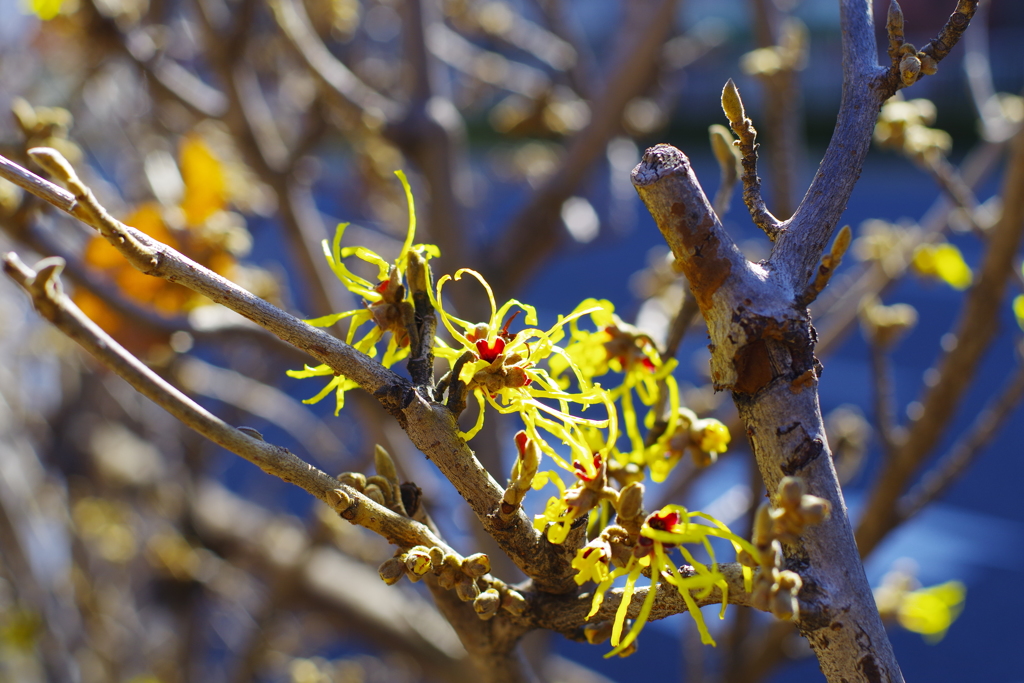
{"x": 762, "y": 350}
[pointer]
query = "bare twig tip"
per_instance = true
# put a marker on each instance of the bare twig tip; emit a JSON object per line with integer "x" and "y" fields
{"x": 658, "y": 162}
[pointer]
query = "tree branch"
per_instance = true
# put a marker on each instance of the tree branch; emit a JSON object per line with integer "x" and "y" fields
{"x": 536, "y": 230}
{"x": 51, "y": 302}
{"x": 959, "y": 457}
{"x": 864, "y": 90}
{"x": 762, "y": 349}
{"x": 431, "y": 427}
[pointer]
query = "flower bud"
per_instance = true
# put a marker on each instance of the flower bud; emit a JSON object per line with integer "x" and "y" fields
{"x": 790, "y": 491}
{"x": 814, "y": 510}
{"x": 487, "y": 603}
{"x": 732, "y": 105}
{"x": 760, "y": 597}
{"x": 598, "y": 632}
{"x": 928, "y": 65}
{"x": 762, "y": 534}
{"x": 784, "y": 605}
{"x": 631, "y": 501}
{"x": 513, "y": 602}
{"x": 436, "y": 559}
{"x": 374, "y": 493}
{"x": 392, "y": 570}
{"x": 339, "y": 500}
{"x": 356, "y": 480}
{"x": 790, "y": 581}
{"x": 910, "y": 69}
{"x": 476, "y": 565}
{"x": 466, "y": 588}
{"x": 384, "y": 464}
{"x": 417, "y": 561}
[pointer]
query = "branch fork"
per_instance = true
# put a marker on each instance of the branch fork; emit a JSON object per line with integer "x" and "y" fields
{"x": 742, "y": 303}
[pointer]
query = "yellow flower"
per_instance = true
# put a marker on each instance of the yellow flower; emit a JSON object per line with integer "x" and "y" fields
{"x": 386, "y": 304}
{"x": 500, "y": 368}
{"x": 671, "y": 527}
{"x": 619, "y": 347}
{"x": 943, "y": 261}
{"x": 714, "y": 436}
{"x": 592, "y": 562}
{"x": 931, "y": 611}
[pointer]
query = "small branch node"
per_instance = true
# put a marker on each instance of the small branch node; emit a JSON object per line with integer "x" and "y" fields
{"x": 829, "y": 263}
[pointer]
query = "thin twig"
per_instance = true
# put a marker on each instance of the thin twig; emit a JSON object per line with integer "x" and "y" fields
{"x": 744, "y": 129}
{"x": 51, "y": 302}
{"x": 534, "y": 232}
{"x": 884, "y": 396}
{"x": 954, "y": 28}
{"x": 959, "y": 457}
{"x": 431, "y": 427}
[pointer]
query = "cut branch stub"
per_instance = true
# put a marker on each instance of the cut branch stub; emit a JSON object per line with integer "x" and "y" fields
{"x": 742, "y": 304}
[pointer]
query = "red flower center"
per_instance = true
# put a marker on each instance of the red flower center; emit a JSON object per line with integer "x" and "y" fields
{"x": 581, "y": 471}
{"x": 664, "y": 522}
{"x": 489, "y": 352}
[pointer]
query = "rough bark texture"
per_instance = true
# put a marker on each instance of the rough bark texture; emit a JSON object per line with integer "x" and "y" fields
{"x": 762, "y": 350}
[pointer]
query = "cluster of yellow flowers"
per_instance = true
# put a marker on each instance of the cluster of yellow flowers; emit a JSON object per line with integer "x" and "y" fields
{"x": 549, "y": 378}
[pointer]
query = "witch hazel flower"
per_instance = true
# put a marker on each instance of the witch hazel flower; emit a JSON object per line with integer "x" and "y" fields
{"x": 671, "y": 528}
{"x": 385, "y": 303}
{"x": 618, "y": 347}
{"x": 574, "y": 503}
{"x": 502, "y": 370}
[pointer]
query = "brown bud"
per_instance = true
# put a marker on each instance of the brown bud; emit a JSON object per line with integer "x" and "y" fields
{"x": 725, "y": 151}
{"x": 760, "y": 597}
{"x": 356, "y": 480}
{"x": 784, "y": 605}
{"x": 790, "y": 581}
{"x": 487, "y": 603}
{"x": 476, "y": 565}
{"x": 466, "y": 588}
{"x": 894, "y": 20}
{"x": 513, "y": 602}
{"x": 384, "y": 464}
{"x": 630, "y": 504}
{"x": 436, "y": 559}
{"x": 374, "y": 493}
{"x": 814, "y": 510}
{"x": 790, "y": 491}
{"x": 910, "y": 69}
{"x": 339, "y": 500}
{"x": 762, "y": 533}
{"x": 928, "y": 64}
{"x": 392, "y": 570}
{"x": 598, "y": 633}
